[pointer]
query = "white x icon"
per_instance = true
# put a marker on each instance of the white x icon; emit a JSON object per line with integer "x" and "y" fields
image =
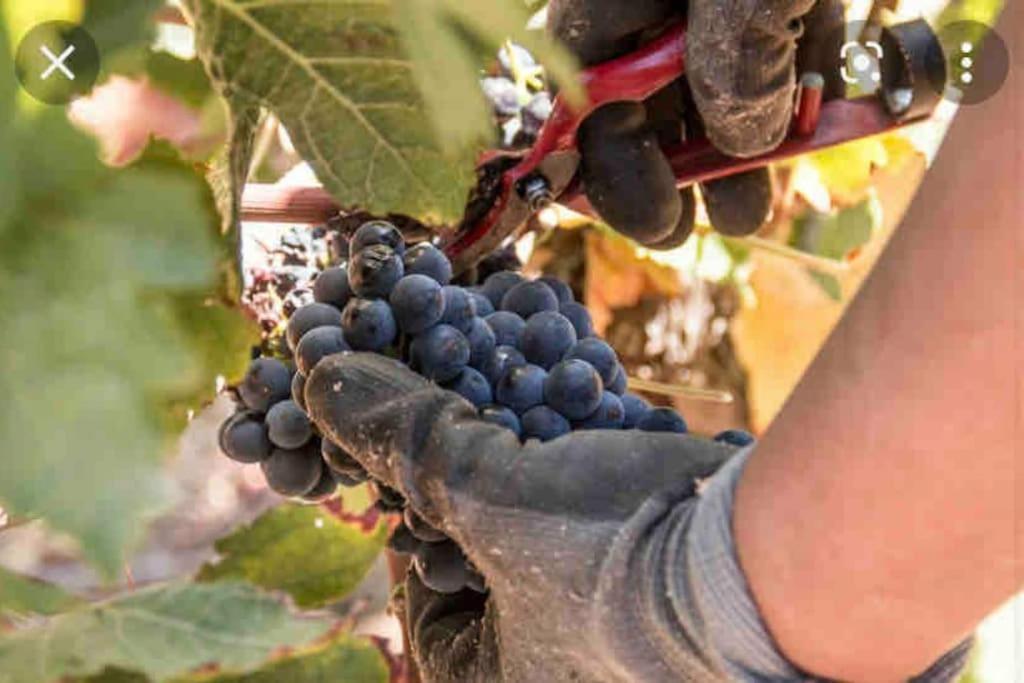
{"x": 58, "y": 62}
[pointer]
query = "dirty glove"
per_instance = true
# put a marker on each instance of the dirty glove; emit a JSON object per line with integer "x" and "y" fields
{"x": 579, "y": 539}
{"x": 741, "y": 58}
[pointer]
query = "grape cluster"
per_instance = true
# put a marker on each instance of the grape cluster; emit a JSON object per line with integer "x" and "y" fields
{"x": 523, "y": 352}
{"x": 270, "y": 427}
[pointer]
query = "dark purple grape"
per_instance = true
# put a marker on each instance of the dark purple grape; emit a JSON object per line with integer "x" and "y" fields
{"x": 573, "y": 388}
{"x": 503, "y": 359}
{"x": 735, "y": 437}
{"x": 619, "y": 384}
{"x": 317, "y": 344}
{"x": 507, "y": 327}
{"x": 288, "y": 425}
{"x": 417, "y": 303}
{"x": 521, "y": 388}
{"x": 483, "y": 305}
{"x": 495, "y": 286}
{"x": 662, "y": 420}
{"x": 299, "y": 389}
{"x": 546, "y": 338}
{"x": 331, "y": 287}
{"x": 440, "y": 353}
{"x": 541, "y": 422}
{"x": 599, "y": 354}
{"x": 293, "y": 472}
{"x": 266, "y": 382}
{"x": 580, "y": 319}
{"x": 459, "y": 311}
{"x": 402, "y": 541}
{"x": 374, "y": 272}
{"x": 635, "y": 408}
{"x": 561, "y": 289}
{"x": 426, "y": 259}
{"x": 503, "y": 417}
{"x": 369, "y": 325}
{"x": 481, "y": 343}
{"x": 389, "y": 500}
{"x": 243, "y": 438}
{"x": 528, "y": 298}
{"x": 310, "y": 317}
{"x": 442, "y": 567}
{"x": 472, "y": 386}
{"x": 377, "y": 233}
{"x": 324, "y": 489}
{"x": 610, "y": 414}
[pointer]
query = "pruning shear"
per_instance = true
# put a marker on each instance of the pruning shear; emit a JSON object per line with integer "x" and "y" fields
{"x": 511, "y": 186}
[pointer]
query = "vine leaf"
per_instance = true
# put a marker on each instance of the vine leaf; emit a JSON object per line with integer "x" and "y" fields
{"x": 336, "y": 77}
{"x": 97, "y": 355}
{"x": 21, "y": 594}
{"x": 335, "y": 555}
{"x": 835, "y": 235}
{"x": 343, "y": 658}
{"x": 161, "y": 632}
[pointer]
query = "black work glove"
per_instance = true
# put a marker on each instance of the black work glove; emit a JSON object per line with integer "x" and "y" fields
{"x": 579, "y": 539}
{"x": 741, "y": 61}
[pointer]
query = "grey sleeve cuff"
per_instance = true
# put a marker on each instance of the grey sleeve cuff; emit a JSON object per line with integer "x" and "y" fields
{"x": 733, "y": 628}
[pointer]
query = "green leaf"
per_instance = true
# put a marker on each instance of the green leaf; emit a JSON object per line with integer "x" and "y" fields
{"x": 123, "y": 32}
{"x": 828, "y": 283}
{"x": 337, "y": 78}
{"x": 95, "y": 262}
{"x": 185, "y": 79}
{"x": 344, "y": 659}
{"x": 834, "y": 235}
{"x": 160, "y": 632}
{"x": 303, "y": 550}
{"x": 27, "y": 595}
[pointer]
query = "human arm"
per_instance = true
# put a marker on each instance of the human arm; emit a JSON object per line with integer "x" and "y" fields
{"x": 882, "y": 506}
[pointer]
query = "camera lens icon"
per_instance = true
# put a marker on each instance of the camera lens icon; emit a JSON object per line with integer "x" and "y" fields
{"x": 860, "y": 65}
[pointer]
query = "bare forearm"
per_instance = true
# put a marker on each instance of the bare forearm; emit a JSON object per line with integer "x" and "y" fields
{"x": 876, "y": 523}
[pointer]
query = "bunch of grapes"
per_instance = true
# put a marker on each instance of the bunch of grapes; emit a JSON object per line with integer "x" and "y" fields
{"x": 271, "y": 428}
{"x": 523, "y": 352}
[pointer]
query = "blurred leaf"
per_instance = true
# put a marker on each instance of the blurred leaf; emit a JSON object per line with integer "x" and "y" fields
{"x": 185, "y": 79}
{"x": 161, "y": 632}
{"x": 303, "y": 550}
{"x": 123, "y": 32}
{"x": 846, "y": 170}
{"x": 28, "y": 595}
{"x": 829, "y": 284}
{"x": 344, "y": 659}
{"x": 835, "y": 235}
{"x": 619, "y": 276}
{"x": 92, "y": 261}
{"x": 21, "y": 17}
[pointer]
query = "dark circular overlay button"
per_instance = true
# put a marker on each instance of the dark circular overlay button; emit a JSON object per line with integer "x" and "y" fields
{"x": 977, "y": 62}
{"x": 57, "y": 61}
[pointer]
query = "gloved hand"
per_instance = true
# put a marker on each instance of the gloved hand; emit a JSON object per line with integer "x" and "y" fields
{"x": 741, "y": 62}
{"x": 580, "y": 539}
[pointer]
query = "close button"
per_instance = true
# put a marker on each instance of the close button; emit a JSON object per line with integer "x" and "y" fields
{"x": 57, "y": 61}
